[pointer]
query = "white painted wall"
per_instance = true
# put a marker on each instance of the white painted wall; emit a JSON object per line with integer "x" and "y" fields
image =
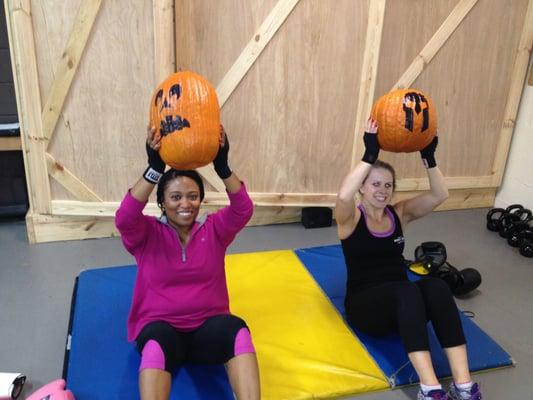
{"x": 517, "y": 184}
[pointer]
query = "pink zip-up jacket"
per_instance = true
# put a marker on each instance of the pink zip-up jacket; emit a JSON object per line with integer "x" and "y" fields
{"x": 182, "y": 285}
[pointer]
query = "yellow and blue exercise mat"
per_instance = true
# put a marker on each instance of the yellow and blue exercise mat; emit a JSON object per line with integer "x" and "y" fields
{"x": 304, "y": 348}
{"x": 293, "y": 303}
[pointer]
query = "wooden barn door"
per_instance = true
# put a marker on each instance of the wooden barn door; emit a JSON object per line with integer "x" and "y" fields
{"x": 296, "y": 80}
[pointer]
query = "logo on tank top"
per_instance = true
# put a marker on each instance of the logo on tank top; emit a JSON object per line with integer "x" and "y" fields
{"x": 399, "y": 240}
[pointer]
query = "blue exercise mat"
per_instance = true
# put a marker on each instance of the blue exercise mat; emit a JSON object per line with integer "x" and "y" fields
{"x": 326, "y": 265}
{"x": 101, "y": 364}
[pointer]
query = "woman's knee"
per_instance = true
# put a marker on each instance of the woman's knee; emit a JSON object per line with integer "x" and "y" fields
{"x": 160, "y": 347}
{"x": 221, "y": 338}
{"x": 408, "y": 294}
{"x": 434, "y": 288}
{"x": 243, "y": 342}
{"x": 237, "y": 334}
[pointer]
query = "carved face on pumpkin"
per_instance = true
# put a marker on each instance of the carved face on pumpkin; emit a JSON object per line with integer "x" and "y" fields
{"x": 167, "y": 104}
{"x": 407, "y": 120}
{"x": 414, "y": 103}
{"x": 184, "y": 109}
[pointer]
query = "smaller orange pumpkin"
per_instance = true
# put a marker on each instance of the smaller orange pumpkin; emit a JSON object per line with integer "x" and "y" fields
{"x": 407, "y": 120}
{"x": 185, "y": 112}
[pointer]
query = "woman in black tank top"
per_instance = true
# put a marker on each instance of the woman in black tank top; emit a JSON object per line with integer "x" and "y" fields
{"x": 379, "y": 297}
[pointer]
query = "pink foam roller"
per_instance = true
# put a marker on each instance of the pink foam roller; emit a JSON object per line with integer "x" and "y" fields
{"x": 55, "y": 390}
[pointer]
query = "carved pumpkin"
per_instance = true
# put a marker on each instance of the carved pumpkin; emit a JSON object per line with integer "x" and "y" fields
{"x": 185, "y": 112}
{"x": 407, "y": 120}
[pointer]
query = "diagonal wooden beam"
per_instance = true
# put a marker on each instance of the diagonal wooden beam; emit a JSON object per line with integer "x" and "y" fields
{"x": 69, "y": 181}
{"x": 242, "y": 65}
{"x": 254, "y": 48}
{"x": 209, "y": 174}
{"x": 518, "y": 77}
{"x": 367, "y": 83}
{"x": 435, "y": 43}
{"x": 26, "y": 79}
{"x": 68, "y": 65}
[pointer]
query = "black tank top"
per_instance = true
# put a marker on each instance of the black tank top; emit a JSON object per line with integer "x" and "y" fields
{"x": 373, "y": 258}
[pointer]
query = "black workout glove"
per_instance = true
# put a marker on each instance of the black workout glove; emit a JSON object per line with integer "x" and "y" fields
{"x": 156, "y": 166}
{"x": 371, "y": 147}
{"x": 221, "y": 160}
{"x": 428, "y": 153}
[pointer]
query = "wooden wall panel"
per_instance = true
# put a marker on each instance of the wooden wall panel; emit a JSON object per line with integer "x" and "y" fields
{"x": 296, "y": 105}
{"x": 211, "y": 48}
{"x": 26, "y": 79}
{"x": 305, "y": 90}
{"x": 408, "y": 27}
{"x": 468, "y": 79}
{"x": 102, "y": 128}
{"x": 291, "y": 119}
{"x": 52, "y": 22}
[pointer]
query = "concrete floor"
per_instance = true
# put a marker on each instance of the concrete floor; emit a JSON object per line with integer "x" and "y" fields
{"x": 36, "y": 284}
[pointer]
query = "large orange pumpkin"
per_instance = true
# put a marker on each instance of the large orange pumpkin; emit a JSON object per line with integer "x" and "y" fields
{"x": 407, "y": 120}
{"x": 185, "y": 111}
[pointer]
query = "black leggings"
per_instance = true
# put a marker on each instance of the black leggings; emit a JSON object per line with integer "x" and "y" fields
{"x": 214, "y": 342}
{"x": 405, "y": 307}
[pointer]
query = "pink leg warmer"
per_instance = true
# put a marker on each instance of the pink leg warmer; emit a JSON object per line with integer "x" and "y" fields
{"x": 152, "y": 356}
{"x": 243, "y": 342}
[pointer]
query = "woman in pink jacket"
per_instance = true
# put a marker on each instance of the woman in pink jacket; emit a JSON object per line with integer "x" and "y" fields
{"x": 180, "y": 309}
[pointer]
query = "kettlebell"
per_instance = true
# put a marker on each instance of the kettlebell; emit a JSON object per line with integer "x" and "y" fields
{"x": 513, "y": 234}
{"x": 513, "y": 214}
{"x": 526, "y": 243}
{"x": 493, "y": 219}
